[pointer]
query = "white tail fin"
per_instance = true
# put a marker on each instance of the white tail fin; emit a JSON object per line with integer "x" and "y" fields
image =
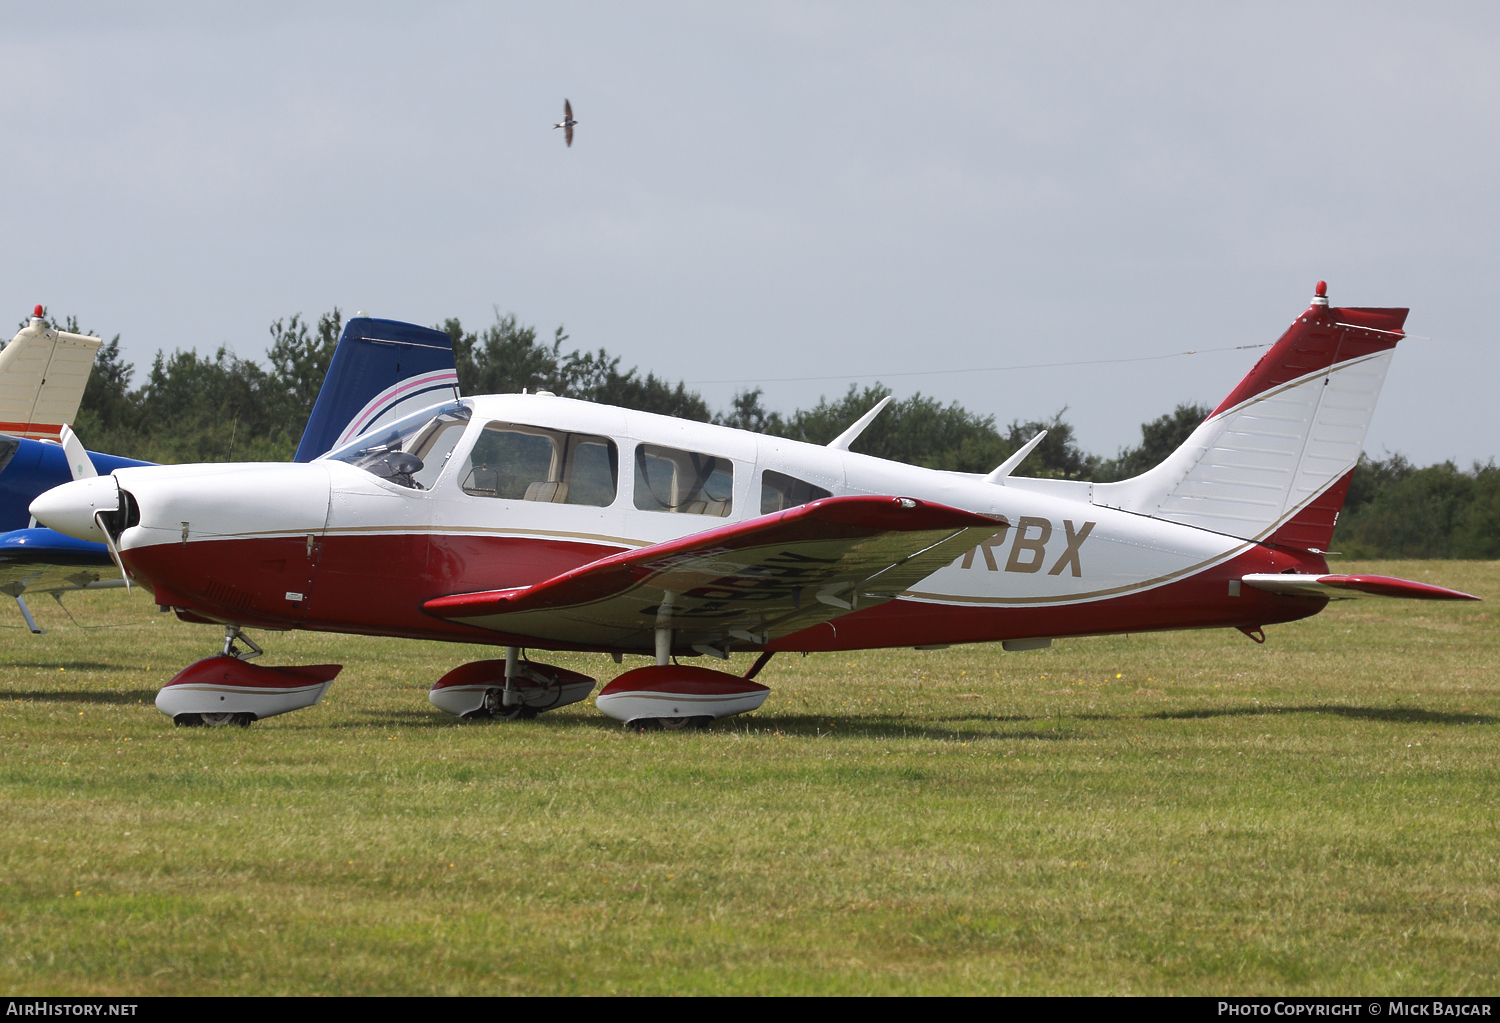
{"x": 1272, "y": 462}
{"x": 42, "y": 376}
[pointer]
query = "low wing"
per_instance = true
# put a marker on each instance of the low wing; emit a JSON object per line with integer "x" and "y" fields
{"x": 44, "y": 561}
{"x": 1352, "y": 586}
{"x": 744, "y": 584}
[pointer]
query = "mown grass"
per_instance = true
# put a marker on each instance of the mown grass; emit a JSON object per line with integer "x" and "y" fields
{"x": 1183, "y": 813}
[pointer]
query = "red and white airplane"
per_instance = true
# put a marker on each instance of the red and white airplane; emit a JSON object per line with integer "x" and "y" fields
{"x": 532, "y": 521}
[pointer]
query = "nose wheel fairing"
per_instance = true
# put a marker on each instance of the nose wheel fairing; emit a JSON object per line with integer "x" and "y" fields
{"x": 228, "y": 686}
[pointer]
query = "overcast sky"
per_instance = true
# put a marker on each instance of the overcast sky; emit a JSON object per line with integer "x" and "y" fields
{"x": 769, "y": 191}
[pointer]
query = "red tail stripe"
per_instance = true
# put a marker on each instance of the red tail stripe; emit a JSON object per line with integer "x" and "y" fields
{"x": 40, "y": 429}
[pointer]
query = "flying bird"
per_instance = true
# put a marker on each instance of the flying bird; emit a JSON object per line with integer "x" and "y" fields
{"x": 566, "y": 124}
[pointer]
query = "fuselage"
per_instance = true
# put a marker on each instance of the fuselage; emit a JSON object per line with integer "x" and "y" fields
{"x": 530, "y": 486}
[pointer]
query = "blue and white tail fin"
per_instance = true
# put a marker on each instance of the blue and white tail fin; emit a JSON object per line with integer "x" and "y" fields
{"x": 381, "y": 370}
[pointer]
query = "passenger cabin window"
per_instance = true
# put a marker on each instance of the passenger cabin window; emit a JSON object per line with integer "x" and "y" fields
{"x": 669, "y": 480}
{"x": 410, "y": 452}
{"x": 778, "y": 492}
{"x": 531, "y": 463}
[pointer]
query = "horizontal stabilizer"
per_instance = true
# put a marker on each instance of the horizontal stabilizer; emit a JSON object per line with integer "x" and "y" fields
{"x": 1341, "y": 586}
{"x": 754, "y": 581}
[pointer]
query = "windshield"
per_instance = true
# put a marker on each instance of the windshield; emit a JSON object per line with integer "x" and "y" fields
{"x": 410, "y": 452}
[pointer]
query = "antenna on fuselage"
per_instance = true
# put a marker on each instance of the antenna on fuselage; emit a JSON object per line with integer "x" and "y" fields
{"x": 1012, "y": 463}
{"x": 849, "y": 436}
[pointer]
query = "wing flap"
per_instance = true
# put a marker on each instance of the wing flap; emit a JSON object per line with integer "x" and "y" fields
{"x": 748, "y": 582}
{"x": 1339, "y": 586}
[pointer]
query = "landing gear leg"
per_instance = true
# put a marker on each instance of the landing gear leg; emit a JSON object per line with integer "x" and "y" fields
{"x": 26, "y": 614}
{"x": 232, "y": 634}
{"x": 507, "y": 703}
{"x": 511, "y": 697}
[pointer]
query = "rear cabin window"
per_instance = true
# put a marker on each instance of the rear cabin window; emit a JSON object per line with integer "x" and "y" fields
{"x": 778, "y": 492}
{"x": 669, "y": 480}
{"x": 529, "y": 463}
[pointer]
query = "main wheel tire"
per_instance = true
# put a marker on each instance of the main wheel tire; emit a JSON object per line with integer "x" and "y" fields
{"x": 494, "y": 705}
{"x": 216, "y": 720}
{"x": 676, "y": 724}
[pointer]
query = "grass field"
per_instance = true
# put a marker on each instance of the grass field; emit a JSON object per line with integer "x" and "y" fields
{"x": 1183, "y": 813}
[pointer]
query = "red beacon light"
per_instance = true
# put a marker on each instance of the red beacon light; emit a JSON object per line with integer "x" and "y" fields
{"x": 38, "y": 312}
{"x": 1320, "y": 294}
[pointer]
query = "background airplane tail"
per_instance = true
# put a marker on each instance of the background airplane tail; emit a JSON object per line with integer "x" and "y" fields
{"x": 381, "y": 370}
{"x": 42, "y": 376}
{"x": 1274, "y": 460}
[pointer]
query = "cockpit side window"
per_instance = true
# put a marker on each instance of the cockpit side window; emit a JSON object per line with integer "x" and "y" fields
{"x": 410, "y": 452}
{"x": 669, "y": 480}
{"x": 778, "y": 492}
{"x": 531, "y": 463}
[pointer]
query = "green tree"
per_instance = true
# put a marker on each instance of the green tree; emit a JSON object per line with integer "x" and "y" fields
{"x": 1395, "y": 510}
{"x": 507, "y": 357}
{"x": 746, "y": 412}
{"x": 1159, "y": 438}
{"x": 923, "y": 431}
{"x": 299, "y": 360}
{"x": 107, "y": 414}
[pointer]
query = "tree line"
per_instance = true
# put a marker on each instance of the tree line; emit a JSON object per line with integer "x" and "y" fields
{"x": 220, "y": 407}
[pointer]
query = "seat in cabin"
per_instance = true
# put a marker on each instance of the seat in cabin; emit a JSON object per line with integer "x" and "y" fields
{"x": 548, "y": 491}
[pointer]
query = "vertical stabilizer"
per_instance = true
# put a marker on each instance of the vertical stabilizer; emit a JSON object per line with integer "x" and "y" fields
{"x": 1272, "y": 462}
{"x": 381, "y": 370}
{"x": 42, "y": 376}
